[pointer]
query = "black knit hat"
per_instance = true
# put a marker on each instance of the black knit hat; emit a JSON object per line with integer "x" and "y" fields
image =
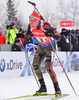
{"x": 17, "y": 40}
{"x": 63, "y": 29}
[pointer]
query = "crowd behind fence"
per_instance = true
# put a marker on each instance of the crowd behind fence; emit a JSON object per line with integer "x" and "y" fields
{"x": 69, "y": 41}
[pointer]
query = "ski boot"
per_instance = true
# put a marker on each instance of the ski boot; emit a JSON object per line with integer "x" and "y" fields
{"x": 57, "y": 89}
{"x": 42, "y": 88}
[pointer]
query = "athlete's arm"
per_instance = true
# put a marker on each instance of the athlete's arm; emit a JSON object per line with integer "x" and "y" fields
{"x": 50, "y": 32}
{"x": 22, "y": 33}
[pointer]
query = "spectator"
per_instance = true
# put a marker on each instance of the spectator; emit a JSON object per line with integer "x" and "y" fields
{"x": 67, "y": 41}
{"x": 2, "y": 38}
{"x": 11, "y": 33}
{"x": 77, "y": 40}
{"x": 63, "y": 44}
{"x": 73, "y": 40}
{"x": 16, "y": 46}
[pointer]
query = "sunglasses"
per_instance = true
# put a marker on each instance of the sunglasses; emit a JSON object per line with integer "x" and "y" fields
{"x": 33, "y": 17}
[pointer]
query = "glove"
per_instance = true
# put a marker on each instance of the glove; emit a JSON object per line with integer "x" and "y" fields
{"x": 20, "y": 34}
{"x": 48, "y": 30}
{"x": 47, "y": 26}
{"x": 20, "y": 30}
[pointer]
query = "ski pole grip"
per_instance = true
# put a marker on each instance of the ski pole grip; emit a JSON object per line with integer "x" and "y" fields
{"x": 32, "y": 3}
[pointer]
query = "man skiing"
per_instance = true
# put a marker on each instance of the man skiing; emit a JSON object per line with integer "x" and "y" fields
{"x": 44, "y": 33}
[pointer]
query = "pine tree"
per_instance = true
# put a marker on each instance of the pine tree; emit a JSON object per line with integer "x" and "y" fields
{"x": 12, "y": 12}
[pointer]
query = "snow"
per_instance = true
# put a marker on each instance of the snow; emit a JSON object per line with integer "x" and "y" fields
{"x": 22, "y": 86}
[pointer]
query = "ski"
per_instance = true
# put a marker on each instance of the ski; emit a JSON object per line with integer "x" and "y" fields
{"x": 40, "y": 94}
{"x": 59, "y": 96}
{"x": 34, "y": 95}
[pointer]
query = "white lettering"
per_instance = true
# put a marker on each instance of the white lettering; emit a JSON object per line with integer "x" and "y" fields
{"x": 37, "y": 33}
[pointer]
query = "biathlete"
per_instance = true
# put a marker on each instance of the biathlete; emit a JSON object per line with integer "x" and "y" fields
{"x": 43, "y": 32}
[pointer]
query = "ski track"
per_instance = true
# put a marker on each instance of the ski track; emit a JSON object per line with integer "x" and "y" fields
{"x": 15, "y": 87}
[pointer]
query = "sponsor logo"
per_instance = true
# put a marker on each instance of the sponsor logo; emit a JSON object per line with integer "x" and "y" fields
{"x": 37, "y": 33}
{"x": 2, "y": 65}
{"x": 67, "y": 23}
{"x": 11, "y": 65}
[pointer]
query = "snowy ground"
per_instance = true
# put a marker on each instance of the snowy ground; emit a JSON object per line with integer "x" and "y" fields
{"x": 27, "y": 85}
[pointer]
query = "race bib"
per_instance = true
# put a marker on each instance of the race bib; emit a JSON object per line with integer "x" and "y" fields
{"x": 42, "y": 39}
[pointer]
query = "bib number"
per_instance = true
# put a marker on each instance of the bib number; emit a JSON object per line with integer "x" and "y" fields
{"x": 42, "y": 39}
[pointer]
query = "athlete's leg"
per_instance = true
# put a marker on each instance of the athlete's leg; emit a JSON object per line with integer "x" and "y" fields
{"x": 38, "y": 57}
{"x": 48, "y": 66}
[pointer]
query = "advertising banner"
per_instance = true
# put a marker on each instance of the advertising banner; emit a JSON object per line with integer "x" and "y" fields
{"x": 11, "y": 64}
{"x": 69, "y": 60}
{"x": 66, "y": 24}
{"x": 15, "y": 64}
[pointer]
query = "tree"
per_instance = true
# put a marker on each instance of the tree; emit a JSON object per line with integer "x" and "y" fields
{"x": 3, "y": 16}
{"x": 74, "y": 12}
{"x": 62, "y": 10}
{"x": 68, "y": 11}
{"x": 49, "y": 13}
{"x": 12, "y": 14}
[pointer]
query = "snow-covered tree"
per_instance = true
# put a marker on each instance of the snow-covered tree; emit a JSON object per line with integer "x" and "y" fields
{"x": 12, "y": 14}
{"x": 3, "y": 16}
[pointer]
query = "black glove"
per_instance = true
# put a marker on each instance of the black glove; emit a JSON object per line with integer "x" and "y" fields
{"x": 20, "y": 30}
{"x": 20, "y": 33}
{"x": 48, "y": 30}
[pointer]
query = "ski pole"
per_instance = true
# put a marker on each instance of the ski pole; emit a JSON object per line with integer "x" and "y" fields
{"x": 29, "y": 63}
{"x": 63, "y": 68}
